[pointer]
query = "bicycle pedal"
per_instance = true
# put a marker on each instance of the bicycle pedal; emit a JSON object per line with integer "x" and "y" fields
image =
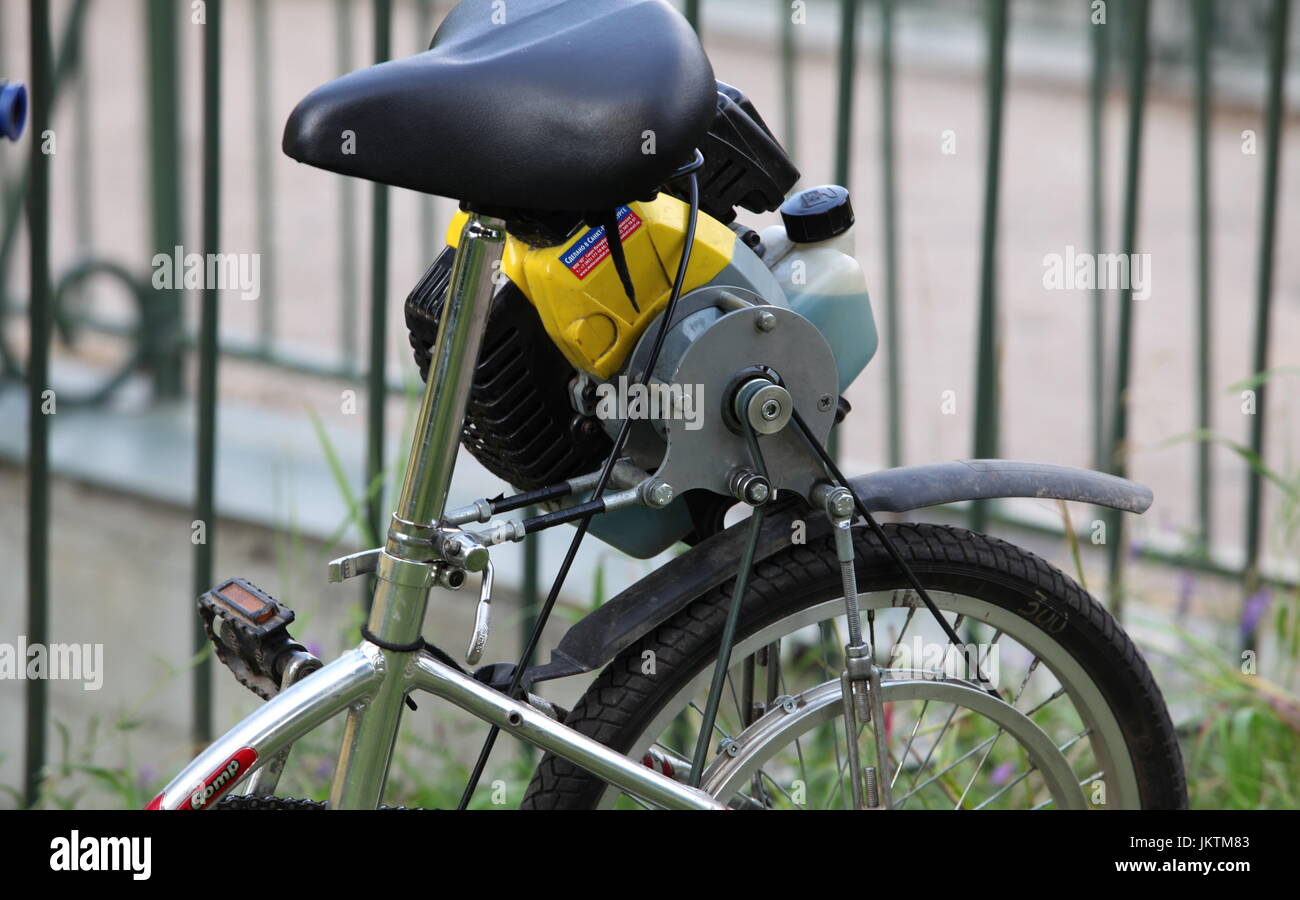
{"x": 249, "y": 629}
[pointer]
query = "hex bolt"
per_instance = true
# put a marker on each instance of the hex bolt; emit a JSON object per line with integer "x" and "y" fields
{"x": 835, "y": 500}
{"x": 469, "y": 553}
{"x": 840, "y": 503}
{"x": 765, "y": 321}
{"x": 771, "y": 409}
{"x": 659, "y": 494}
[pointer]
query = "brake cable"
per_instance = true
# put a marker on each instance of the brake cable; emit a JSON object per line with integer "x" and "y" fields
{"x": 690, "y": 171}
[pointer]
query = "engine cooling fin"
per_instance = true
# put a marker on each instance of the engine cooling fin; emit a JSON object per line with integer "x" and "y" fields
{"x": 519, "y": 422}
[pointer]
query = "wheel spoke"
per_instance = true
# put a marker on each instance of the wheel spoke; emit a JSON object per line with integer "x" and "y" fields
{"x": 961, "y": 759}
{"x": 783, "y": 791}
{"x": 716, "y": 727}
{"x": 735, "y": 699}
{"x": 912, "y": 788}
{"x": 911, "y": 612}
{"x": 1008, "y": 786}
{"x": 822, "y": 630}
{"x": 908, "y": 747}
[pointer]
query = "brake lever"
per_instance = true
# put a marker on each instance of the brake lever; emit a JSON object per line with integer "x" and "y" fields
{"x": 482, "y": 618}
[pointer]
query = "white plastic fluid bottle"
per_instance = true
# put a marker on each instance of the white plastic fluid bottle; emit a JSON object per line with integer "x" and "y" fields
{"x": 812, "y": 256}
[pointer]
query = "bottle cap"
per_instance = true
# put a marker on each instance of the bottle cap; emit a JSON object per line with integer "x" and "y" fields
{"x": 817, "y": 214}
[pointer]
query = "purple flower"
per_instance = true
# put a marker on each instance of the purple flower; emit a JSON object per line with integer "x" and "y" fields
{"x": 1001, "y": 773}
{"x": 145, "y": 776}
{"x": 1186, "y": 588}
{"x": 1134, "y": 548}
{"x": 314, "y": 649}
{"x": 1253, "y": 611}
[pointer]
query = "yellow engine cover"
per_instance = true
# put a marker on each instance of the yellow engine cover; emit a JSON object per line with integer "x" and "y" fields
{"x": 576, "y": 289}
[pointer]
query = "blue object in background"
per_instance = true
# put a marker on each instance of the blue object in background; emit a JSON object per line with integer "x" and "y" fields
{"x": 13, "y": 109}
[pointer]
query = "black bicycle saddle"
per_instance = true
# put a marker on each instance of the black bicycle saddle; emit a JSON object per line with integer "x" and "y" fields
{"x": 564, "y": 105}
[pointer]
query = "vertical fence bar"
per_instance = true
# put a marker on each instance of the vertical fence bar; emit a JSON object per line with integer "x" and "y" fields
{"x": 349, "y": 287}
{"x": 206, "y": 460}
{"x": 1140, "y": 11}
{"x": 986, "y": 365}
{"x": 844, "y": 122}
{"x": 1097, "y": 215}
{"x": 263, "y": 174}
{"x": 844, "y": 93}
{"x": 38, "y": 448}
{"x": 378, "y": 308}
{"x": 789, "y": 122}
{"x": 161, "y": 327}
{"x": 893, "y": 345}
{"x": 1203, "y": 363}
{"x": 1264, "y": 291}
{"x": 83, "y": 190}
{"x": 429, "y": 242}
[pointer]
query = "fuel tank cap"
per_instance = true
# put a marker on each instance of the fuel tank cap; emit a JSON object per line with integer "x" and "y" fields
{"x": 817, "y": 214}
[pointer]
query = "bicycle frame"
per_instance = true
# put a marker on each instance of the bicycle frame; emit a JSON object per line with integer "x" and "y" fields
{"x": 372, "y": 681}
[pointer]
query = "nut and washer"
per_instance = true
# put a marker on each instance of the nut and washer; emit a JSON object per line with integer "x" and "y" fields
{"x": 750, "y": 487}
{"x": 658, "y": 494}
{"x": 766, "y": 406}
{"x": 837, "y": 501}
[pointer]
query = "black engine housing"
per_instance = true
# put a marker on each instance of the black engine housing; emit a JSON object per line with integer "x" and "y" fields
{"x": 519, "y": 423}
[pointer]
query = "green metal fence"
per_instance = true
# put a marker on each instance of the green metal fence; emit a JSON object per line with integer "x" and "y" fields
{"x": 163, "y": 342}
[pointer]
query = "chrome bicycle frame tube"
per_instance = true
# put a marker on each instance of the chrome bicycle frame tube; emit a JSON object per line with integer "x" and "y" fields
{"x": 402, "y": 584}
{"x": 278, "y": 723}
{"x": 451, "y": 371}
{"x": 542, "y": 731}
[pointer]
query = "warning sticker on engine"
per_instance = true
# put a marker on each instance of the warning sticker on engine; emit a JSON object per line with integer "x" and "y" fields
{"x": 592, "y": 249}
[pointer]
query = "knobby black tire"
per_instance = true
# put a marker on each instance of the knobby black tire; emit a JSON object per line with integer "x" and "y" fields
{"x": 622, "y": 701}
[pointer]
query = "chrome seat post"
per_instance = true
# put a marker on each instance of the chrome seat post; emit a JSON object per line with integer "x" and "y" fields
{"x": 404, "y": 570}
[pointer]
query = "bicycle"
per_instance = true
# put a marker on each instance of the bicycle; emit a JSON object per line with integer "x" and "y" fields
{"x": 597, "y": 257}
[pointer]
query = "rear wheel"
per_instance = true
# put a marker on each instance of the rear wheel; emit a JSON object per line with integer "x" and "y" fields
{"x": 1079, "y": 721}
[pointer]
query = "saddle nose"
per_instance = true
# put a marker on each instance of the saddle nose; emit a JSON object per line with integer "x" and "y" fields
{"x": 557, "y": 105}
